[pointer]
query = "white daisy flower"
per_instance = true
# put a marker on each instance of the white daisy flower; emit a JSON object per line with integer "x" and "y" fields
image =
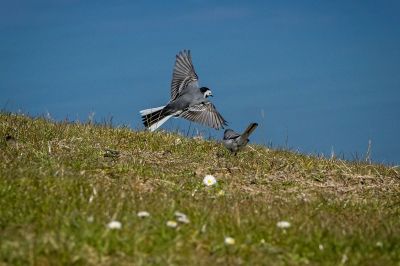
{"x": 209, "y": 180}
{"x": 283, "y": 224}
{"x": 90, "y": 219}
{"x": 143, "y": 214}
{"x": 229, "y": 240}
{"x": 172, "y": 224}
{"x": 178, "y": 141}
{"x": 183, "y": 219}
{"x": 114, "y": 225}
{"x": 179, "y": 214}
{"x": 321, "y": 247}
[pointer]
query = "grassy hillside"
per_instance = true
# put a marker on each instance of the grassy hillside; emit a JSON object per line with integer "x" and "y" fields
{"x": 61, "y": 184}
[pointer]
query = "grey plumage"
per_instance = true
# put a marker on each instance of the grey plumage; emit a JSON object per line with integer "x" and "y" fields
{"x": 188, "y": 100}
{"x": 234, "y": 141}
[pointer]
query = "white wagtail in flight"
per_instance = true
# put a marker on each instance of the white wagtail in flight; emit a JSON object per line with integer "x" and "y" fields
{"x": 188, "y": 100}
{"x": 234, "y": 141}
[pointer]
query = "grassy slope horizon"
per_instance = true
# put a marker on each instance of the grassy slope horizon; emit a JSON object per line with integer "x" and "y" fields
{"x": 62, "y": 183}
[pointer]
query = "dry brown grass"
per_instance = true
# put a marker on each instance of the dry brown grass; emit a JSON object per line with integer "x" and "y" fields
{"x": 49, "y": 171}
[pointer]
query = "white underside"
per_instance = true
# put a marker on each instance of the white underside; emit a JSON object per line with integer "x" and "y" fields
{"x": 159, "y": 123}
{"x": 151, "y": 110}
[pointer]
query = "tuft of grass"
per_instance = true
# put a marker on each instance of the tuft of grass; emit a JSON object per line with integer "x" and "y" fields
{"x": 62, "y": 183}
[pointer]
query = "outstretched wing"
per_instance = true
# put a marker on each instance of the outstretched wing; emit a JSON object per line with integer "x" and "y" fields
{"x": 205, "y": 114}
{"x": 230, "y": 134}
{"x": 183, "y": 75}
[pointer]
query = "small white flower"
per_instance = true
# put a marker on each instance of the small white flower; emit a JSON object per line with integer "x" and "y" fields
{"x": 379, "y": 244}
{"x": 183, "y": 219}
{"x": 321, "y": 247}
{"x": 262, "y": 241}
{"x": 114, "y": 225}
{"x": 221, "y": 193}
{"x": 209, "y": 180}
{"x": 172, "y": 224}
{"x": 90, "y": 219}
{"x": 143, "y": 214}
{"x": 178, "y": 141}
{"x": 179, "y": 214}
{"x": 229, "y": 240}
{"x": 283, "y": 224}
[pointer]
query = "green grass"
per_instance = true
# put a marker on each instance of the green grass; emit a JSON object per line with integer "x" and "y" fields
{"x": 340, "y": 212}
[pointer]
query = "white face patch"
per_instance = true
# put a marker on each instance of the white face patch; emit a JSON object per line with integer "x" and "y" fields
{"x": 207, "y": 93}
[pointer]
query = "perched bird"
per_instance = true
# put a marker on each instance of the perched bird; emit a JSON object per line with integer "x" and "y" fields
{"x": 234, "y": 141}
{"x": 188, "y": 99}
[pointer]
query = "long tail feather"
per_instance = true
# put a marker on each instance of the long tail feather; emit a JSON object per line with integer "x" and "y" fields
{"x": 159, "y": 123}
{"x": 150, "y": 110}
{"x": 154, "y": 117}
{"x": 249, "y": 130}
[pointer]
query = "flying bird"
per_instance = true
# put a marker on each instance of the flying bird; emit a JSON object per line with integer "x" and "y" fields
{"x": 188, "y": 99}
{"x": 234, "y": 141}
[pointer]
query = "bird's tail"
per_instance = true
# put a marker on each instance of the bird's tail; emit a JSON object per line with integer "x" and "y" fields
{"x": 153, "y": 118}
{"x": 249, "y": 130}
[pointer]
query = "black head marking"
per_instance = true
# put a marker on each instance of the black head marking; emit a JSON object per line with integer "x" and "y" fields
{"x": 206, "y": 92}
{"x": 204, "y": 89}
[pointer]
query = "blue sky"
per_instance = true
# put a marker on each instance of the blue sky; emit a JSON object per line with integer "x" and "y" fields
{"x": 324, "y": 73}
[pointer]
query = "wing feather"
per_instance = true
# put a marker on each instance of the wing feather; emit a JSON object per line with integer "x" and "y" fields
{"x": 230, "y": 134}
{"x": 205, "y": 114}
{"x": 184, "y": 74}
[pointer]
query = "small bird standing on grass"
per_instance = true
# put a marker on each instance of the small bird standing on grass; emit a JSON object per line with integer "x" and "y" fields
{"x": 188, "y": 99}
{"x": 234, "y": 141}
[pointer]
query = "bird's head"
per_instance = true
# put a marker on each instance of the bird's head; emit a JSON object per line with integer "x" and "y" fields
{"x": 206, "y": 92}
